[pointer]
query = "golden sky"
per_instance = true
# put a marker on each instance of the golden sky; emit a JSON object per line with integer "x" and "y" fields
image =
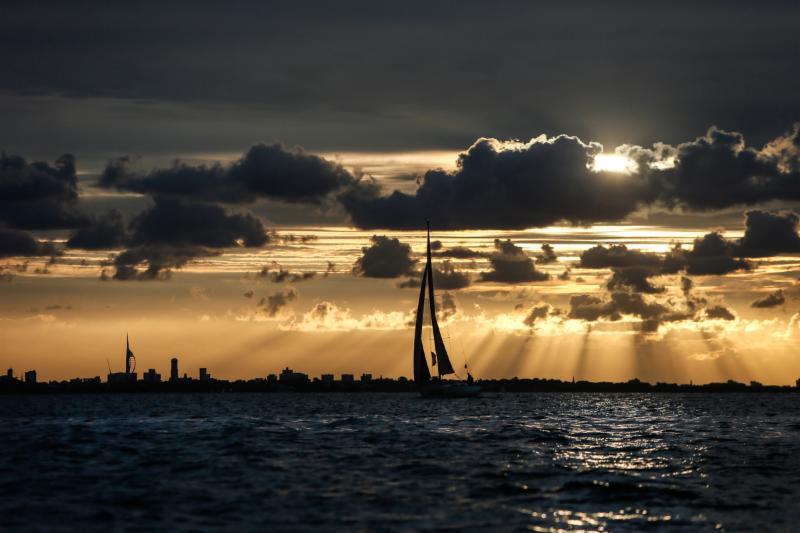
{"x": 67, "y": 322}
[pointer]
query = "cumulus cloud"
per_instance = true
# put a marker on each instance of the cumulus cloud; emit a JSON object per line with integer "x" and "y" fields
{"x": 711, "y": 254}
{"x": 592, "y": 308}
{"x": 511, "y": 184}
{"x": 265, "y": 171}
{"x": 617, "y": 256}
{"x": 103, "y": 232}
{"x": 279, "y": 275}
{"x": 510, "y": 264}
{"x": 460, "y": 252}
{"x": 538, "y": 312}
{"x": 179, "y": 222}
{"x": 773, "y": 299}
{"x": 634, "y": 278}
{"x": 448, "y": 278}
{"x": 173, "y": 231}
{"x": 445, "y": 277}
{"x": 327, "y": 316}
{"x": 718, "y": 170}
{"x": 719, "y": 312}
{"x": 277, "y": 300}
{"x": 504, "y": 185}
{"x": 20, "y": 243}
{"x": 767, "y": 234}
{"x": 154, "y": 262}
{"x": 387, "y": 257}
{"x": 447, "y": 306}
{"x": 38, "y": 196}
{"x": 547, "y": 256}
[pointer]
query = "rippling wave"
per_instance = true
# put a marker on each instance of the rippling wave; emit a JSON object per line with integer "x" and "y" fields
{"x": 542, "y": 462}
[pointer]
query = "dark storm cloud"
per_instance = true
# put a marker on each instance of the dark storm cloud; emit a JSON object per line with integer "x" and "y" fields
{"x": 387, "y": 257}
{"x": 103, "y": 232}
{"x": 172, "y": 232}
{"x": 711, "y": 254}
{"x": 510, "y": 264}
{"x": 718, "y": 170}
{"x": 500, "y": 186}
{"x": 269, "y": 171}
{"x": 773, "y": 299}
{"x": 36, "y": 195}
{"x": 178, "y": 222}
{"x": 544, "y": 181}
{"x": 154, "y": 262}
{"x": 767, "y": 234}
{"x": 327, "y": 61}
{"x": 20, "y": 243}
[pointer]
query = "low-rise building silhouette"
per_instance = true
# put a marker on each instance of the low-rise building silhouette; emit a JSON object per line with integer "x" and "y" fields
{"x": 30, "y": 377}
{"x": 121, "y": 378}
{"x": 151, "y": 376}
{"x": 348, "y": 378}
{"x": 204, "y": 375}
{"x": 9, "y": 377}
{"x": 290, "y": 377}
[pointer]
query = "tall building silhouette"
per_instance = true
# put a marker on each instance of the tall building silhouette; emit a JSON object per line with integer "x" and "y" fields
{"x": 173, "y": 369}
{"x": 129, "y": 358}
{"x": 129, "y": 376}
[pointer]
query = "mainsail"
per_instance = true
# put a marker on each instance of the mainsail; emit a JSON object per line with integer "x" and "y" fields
{"x": 444, "y": 365}
{"x": 421, "y": 373}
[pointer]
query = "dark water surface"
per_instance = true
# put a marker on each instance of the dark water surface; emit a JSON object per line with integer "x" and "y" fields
{"x": 543, "y": 462}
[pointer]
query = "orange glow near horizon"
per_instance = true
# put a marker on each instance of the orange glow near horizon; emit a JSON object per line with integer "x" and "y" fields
{"x": 68, "y": 322}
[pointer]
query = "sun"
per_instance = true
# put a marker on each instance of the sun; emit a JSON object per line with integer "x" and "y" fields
{"x": 613, "y": 163}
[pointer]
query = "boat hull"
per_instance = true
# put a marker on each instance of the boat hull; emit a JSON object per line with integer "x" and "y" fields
{"x": 450, "y": 390}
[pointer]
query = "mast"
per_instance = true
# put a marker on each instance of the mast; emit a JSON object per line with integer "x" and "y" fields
{"x": 442, "y": 359}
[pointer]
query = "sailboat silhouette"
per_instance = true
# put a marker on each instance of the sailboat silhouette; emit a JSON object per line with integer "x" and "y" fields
{"x": 435, "y": 387}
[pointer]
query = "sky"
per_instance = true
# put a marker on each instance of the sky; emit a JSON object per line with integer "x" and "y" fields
{"x": 613, "y": 189}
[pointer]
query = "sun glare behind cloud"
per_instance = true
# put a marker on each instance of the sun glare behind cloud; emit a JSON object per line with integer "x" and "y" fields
{"x": 613, "y": 163}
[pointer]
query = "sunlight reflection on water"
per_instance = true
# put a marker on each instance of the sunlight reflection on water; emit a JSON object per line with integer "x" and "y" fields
{"x": 542, "y": 462}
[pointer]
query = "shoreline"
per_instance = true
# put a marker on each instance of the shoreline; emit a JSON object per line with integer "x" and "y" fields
{"x": 402, "y": 385}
